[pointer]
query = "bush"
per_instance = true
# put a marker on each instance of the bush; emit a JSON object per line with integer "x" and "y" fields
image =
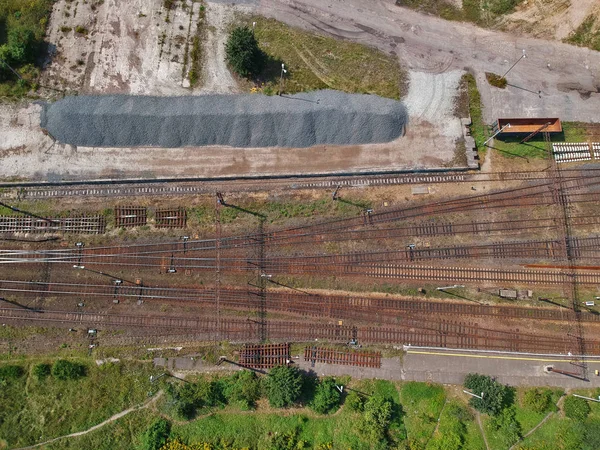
{"x": 67, "y": 370}
{"x": 576, "y": 408}
{"x": 507, "y": 426}
{"x": 243, "y": 54}
{"x": 283, "y": 386}
{"x": 327, "y": 397}
{"x": 81, "y": 29}
{"x": 243, "y": 387}
{"x": 156, "y": 435}
{"x": 11, "y": 372}
{"x": 495, "y": 395}
{"x": 354, "y": 402}
{"x": 495, "y": 80}
{"x": 41, "y": 371}
{"x": 377, "y": 417}
{"x": 537, "y": 400}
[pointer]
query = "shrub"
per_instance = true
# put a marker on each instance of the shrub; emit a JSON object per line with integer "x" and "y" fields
{"x": 67, "y": 370}
{"x": 576, "y": 408}
{"x": 327, "y": 397}
{"x": 243, "y": 54}
{"x": 495, "y": 395}
{"x": 41, "y": 371}
{"x": 354, "y": 402}
{"x": 507, "y": 426}
{"x": 65, "y": 29}
{"x": 537, "y": 400}
{"x": 243, "y": 387}
{"x": 495, "y": 80}
{"x": 81, "y": 29}
{"x": 377, "y": 417}
{"x": 283, "y": 386}
{"x": 11, "y": 372}
{"x": 156, "y": 435}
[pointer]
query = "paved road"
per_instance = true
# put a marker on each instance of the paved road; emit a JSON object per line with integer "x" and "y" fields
{"x": 438, "y": 366}
{"x": 570, "y": 86}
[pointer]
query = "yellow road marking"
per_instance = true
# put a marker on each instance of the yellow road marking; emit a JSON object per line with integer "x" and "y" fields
{"x": 519, "y": 358}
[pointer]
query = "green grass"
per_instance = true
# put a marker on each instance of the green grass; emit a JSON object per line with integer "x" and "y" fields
{"x": 510, "y": 147}
{"x": 476, "y": 11}
{"x": 422, "y": 404}
{"x": 317, "y": 62}
{"x": 457, "y": 420}
{"x": 253, "y": 429}
{"x": 478, "y": 127}
{"x": 586, "y": 35}
{"x": 37, "y": 410}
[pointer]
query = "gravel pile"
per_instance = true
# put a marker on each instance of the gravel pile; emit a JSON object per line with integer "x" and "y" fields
{"x": 302, "y": 120}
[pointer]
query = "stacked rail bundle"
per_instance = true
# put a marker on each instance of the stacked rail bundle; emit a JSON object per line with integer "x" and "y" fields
{"x": 352, "y": 358}
{"x": 171, "y": 218}
{"x": 73, "y": 225}
{"x": 265, "y": 356}
{"x": 130, "y": 216}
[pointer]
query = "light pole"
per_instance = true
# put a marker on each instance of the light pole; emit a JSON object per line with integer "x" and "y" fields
{"x": 518, "y": 60}
{"x": 281, "y": 78}
{"x": 474, "y": 395}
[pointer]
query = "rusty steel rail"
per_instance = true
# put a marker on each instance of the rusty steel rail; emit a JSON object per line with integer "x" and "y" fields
{"x": 347, "y": 358}
{"x": 449, "y": 335}
{"x": 170, "y": 218}
{"x": 74, "y": 225}
{"x": 265, "y": 356}
{"x": 130, "y": 216}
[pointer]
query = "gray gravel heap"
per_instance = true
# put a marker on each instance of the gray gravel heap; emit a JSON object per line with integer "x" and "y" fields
{"x": 250, "y": 120}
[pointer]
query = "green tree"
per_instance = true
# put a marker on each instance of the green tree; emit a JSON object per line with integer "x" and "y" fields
{"x": 156, "y": 435}
{"x": 537, "y": 399}
{"x": 377, "y": 417}
{"x": 242, "y": 387}
{"x": 243, "y": 54}
{"x": 509, "y": 430}
{"x": 354, "y": 402}
{"x": 283, "y": 386}
{"x": 327, "y": 397}
{"x": 41, "y": 371}
{"x": 576, "y": 408}
{"x": 22, "y": 45}
{"x": 495, "y": 395}
{"x": 67, "y": 370}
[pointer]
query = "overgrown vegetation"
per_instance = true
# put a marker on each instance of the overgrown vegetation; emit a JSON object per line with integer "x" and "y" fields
{"x": 587, "y": 34}
{"x": 36, "y": 407}
{"x": 374, "y": 414}
{"x": 495, "y": 80}
{"x": 317, "y": 62}
{"x": 490, "y": 397}
{"x": 481, "y": 12}
{"x": 478, "y": 127}
{"x": 22, "y": 29}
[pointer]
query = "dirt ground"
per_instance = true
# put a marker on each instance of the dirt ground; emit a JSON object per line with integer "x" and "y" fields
{"x": 550, "y": 19}
{"x": 29, "y": 154}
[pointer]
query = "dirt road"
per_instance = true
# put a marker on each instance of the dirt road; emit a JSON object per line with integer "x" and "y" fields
{"x": 568, "y": 77}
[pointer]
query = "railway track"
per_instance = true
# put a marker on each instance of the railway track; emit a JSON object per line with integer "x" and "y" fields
{"x": 180, "y": 187}
{"x": 309, "y": 304}
{"x": 333, "y": 356}
{"x": 447, "y": 334}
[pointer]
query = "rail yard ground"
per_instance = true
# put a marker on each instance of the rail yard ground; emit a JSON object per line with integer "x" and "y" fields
{"x": 125, "y": 272}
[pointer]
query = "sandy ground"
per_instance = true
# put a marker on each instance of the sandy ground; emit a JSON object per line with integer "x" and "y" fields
{"x": 27, "y": 153}
{"x": 137, "y": 47}
{"x": 131, "y": 47}
{"x": 551, "y": 19}
{"x": 569, "y": 89}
